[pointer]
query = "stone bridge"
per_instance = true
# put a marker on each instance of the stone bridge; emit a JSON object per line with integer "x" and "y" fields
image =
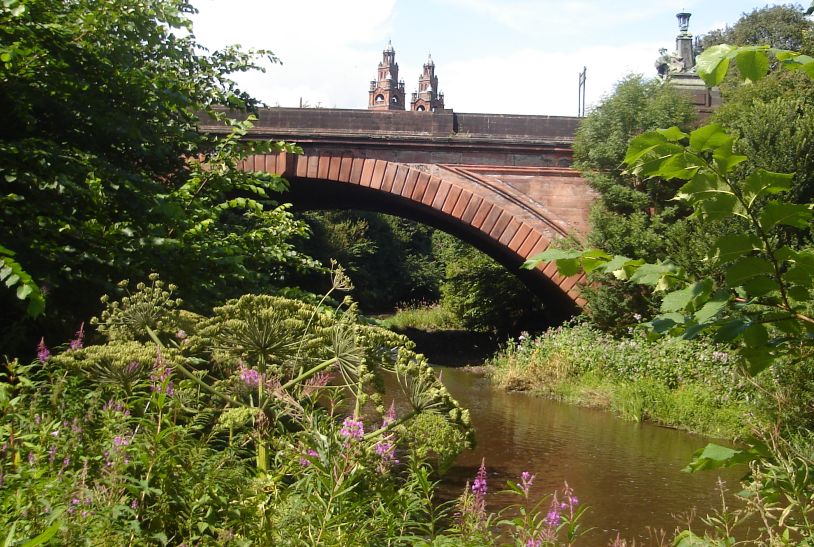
{"x": 500, "y": 182}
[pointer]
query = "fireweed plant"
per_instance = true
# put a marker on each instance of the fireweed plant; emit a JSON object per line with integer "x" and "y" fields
{"x": 552, "y": 520}
{"x": 261, "y": 423}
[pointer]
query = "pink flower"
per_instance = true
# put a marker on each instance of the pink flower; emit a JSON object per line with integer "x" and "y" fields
{"x": 352, "y": 429}
{"x": 78, "y": 341}
{"x": 43, "y": 353}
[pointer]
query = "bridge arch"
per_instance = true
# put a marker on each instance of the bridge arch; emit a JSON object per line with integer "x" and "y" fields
{"x": 498, "y": 221}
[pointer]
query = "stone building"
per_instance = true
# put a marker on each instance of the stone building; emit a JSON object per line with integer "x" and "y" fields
{"x": 428, "y": 98}
{"x": 387, "y": 92}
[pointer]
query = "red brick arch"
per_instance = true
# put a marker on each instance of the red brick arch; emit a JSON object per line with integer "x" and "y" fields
{"x": 479, "y": 208}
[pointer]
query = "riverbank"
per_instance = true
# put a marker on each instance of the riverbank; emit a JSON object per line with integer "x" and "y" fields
{"x": 686, "y": 385}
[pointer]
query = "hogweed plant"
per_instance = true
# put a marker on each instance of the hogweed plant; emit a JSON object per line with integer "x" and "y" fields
{"x": 259, "y": 424}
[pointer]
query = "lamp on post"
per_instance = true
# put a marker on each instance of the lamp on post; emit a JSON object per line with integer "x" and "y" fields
{"x": 683, "y": 21}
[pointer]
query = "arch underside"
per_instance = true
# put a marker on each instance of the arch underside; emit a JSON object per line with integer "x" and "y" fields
{"x": 502, "y": 225}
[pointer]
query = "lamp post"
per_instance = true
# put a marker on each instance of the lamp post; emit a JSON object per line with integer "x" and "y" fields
{"x": 684, "y": 41}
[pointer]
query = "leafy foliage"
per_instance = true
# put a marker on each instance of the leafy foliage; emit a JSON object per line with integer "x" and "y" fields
{"x": 231, "y": 435}
{"x": 631, "y": 217}
{"x": 105, "y": 174}
{"x": 780, "y": 26}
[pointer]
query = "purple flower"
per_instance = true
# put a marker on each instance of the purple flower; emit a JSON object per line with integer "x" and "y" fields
{"x": 479, "y": 487}
{"x": 552, "y": 519}
{"x": 43, "y": 353}
{"x": 118, "y": 440}
{"x": 249, "y": 376}
{"x": 31, "y": 458}
{"x": 526, "y": 480}
{"x": 352, "y": 429}
{"x": 160, "y": 376}
{"x": 386, "y": 450}
{"x": 390, "y": 415}
{"x": 77, "y": 342}
{"x": 311, "y": 453}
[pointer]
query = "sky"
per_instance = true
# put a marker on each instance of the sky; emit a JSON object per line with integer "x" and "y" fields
{"x": 496, "y": 56}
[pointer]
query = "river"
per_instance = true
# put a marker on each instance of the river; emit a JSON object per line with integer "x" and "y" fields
{"x": 628, "y": 473}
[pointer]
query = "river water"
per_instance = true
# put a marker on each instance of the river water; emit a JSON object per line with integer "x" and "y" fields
{"x": 628, "y": 473}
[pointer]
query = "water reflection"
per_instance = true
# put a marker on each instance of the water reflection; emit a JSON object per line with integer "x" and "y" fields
{"x": 630, "y": 474}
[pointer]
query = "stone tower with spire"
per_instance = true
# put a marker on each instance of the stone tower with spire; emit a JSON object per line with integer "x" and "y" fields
{"x": 387, "y": 91}
{"x": 427, "y": 98}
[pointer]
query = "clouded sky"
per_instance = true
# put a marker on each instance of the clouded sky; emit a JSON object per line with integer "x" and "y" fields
{"x": 503, "y": 56}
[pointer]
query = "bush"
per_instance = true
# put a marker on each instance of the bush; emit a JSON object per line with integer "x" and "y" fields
{"x": 692, "y": 384}
{"x": 265, "y": 425}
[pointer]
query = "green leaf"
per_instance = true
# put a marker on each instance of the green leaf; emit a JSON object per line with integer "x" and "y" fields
{"x": 673, "y": 134}
{"x": 717, "y": 206}
{"x": 616, "y": 263}
{"x": 746, "y": 268}
{"x": 548, "y": 256}
{"x": 691, "y": 295}
{"x": 755, "y": 335}
{"x": 715, "y": 456}
{"x": 651, "y": 274}
{"x": 712, "y": 308}
{"x": 713, "y": 64}
{"x": 757, "y": 359}
{"x": 733, "y": 246}
{"x": 753, "y": 64}
{"x": 666, "y": 322}
{"x": 761, "y": 182}
{"x": 642, "y": 144}
{"x": 725, "y": 159}
{"x": 709, "y": 137}
{"x": 760, "y": 286}
{"x": 45, "y": 536}
{"x": 568, "y": 266}
{"x": 731, "y": 329}
{"x": 790, "y": 214}
{"x": 798, "y": 293}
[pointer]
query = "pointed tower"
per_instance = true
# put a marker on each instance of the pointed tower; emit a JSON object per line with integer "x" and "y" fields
{"x": 427, "y": 98}
{"x": 387, "y": 92}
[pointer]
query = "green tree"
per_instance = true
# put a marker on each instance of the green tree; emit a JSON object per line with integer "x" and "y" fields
{"x": 631, "y": 217}
{"x": 390, "y": 259}
{"x": 783, "y": 26}
{"x": 481, "y": 293}
{"x": 99, "y": 153}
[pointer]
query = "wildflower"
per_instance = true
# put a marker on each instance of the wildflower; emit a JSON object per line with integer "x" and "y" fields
{"x": 352, "y": 429}
{"x": 43, "y": 353}
{"x": 249, "y": 376}
{"x": 720, "y": 356}
{"x": 181, "y": 335}
{"x": 31, "y": 458}
{"x": 389, "y": 416}
{"x": 160, "y": 376}
{"x": 77, "y": 342}
{"x": 134, "y": 505}
{"x": 552, "y": 518}
{"x": 526, "y": 480}
{"x": 637, "y": 316}
{"x": 386, "y": 450}
{"x": 312, "y": 454}
{"x": 479, "y": 487}
{"x": 52, "y": 454}
{"x": 118, "y": 440}
{"x": 316, "y": 381}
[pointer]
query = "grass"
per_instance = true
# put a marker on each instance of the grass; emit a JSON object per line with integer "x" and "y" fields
{"x": 425, "y": 317}
{"x": 674, "y": 383}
